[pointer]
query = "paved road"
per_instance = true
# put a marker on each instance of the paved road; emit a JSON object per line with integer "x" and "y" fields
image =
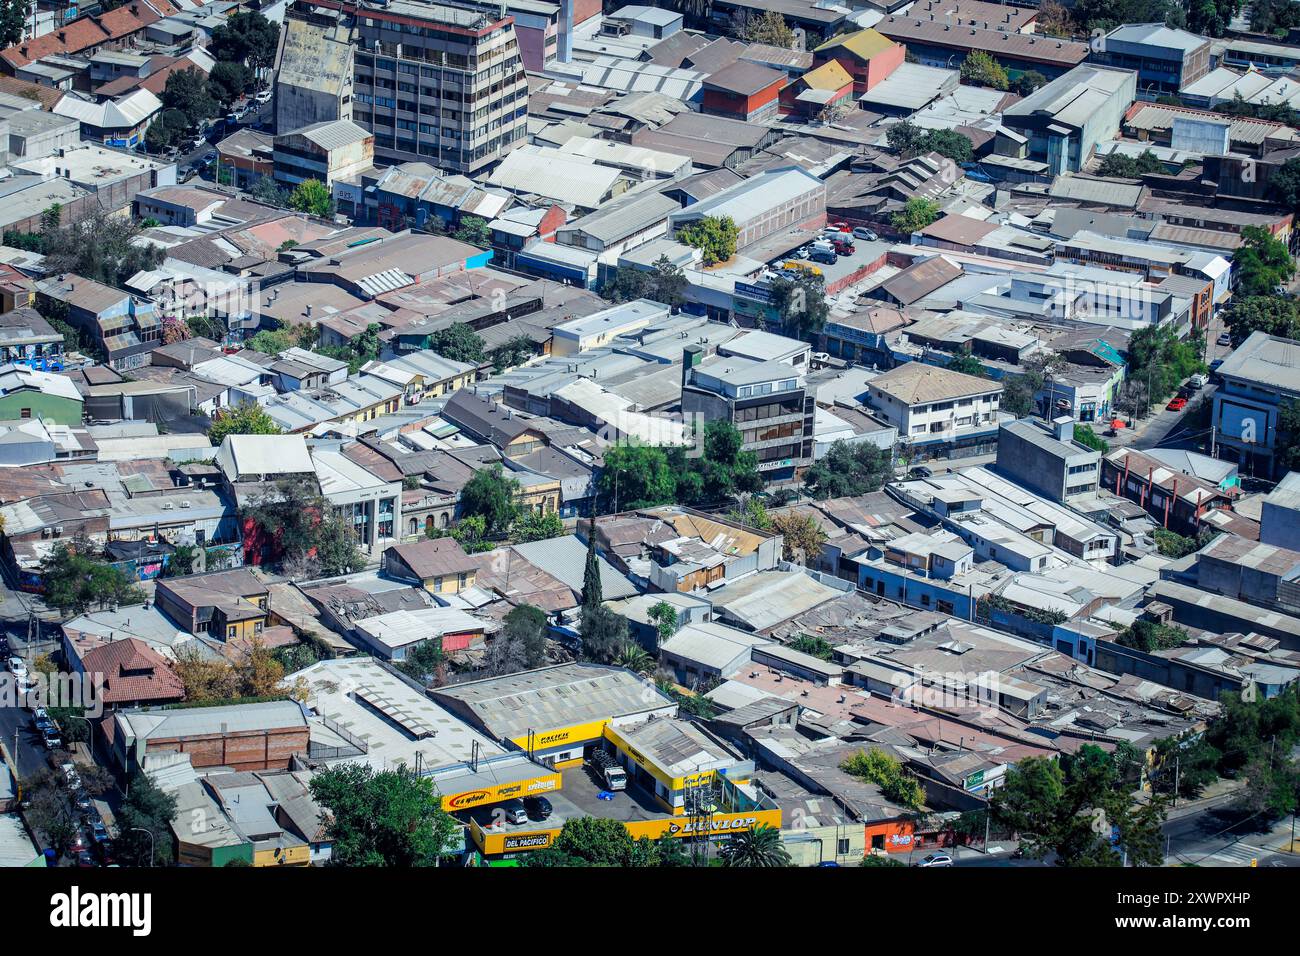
{"x": 28, "y": 751}
{"x": 1217, "y": 834}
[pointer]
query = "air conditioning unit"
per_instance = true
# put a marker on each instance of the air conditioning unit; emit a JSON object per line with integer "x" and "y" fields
{"x": 169, "y": 505}
{"x": 185, "y": 504}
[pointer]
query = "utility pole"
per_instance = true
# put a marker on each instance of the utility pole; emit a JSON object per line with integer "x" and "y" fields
{"x": 1178, "y": 775}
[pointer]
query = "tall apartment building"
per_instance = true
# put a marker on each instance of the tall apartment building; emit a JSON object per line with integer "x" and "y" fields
{"x": 441, "y": 82}
{"x": 762, "y": 392}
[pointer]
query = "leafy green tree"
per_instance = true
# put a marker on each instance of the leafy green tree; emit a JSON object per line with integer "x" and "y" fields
{"x": 1084, "y": 435}
{"x": 604, "y": 633}
{"x": 898, "y": 784}
{"x": 1149, "y": 636}
{"x": 946, "y": 142}
{"x": 471, "y": 533}
{"x": 1263, "y": 263}
{"x": 916, "y": 214}
{"x": 664, "y": 618}
{"x": 312, "y": 197}
{"x": 491, "y": 495}
{"x": 1160, "y": 360}
{"x": 635, "y": 658}
{"x": 246, "y": 418}
{"x": 980, "y": 69}
{"x": 592, "y": 589}
{"x": 527, "y": 624}
{"x": 905, "y": 137}
{"x": 1262, "y": 313}
{"x": 759, "y": 847}
{"x": 1074, "y": 805}
{"x": 474, "y": 230}
{"x": 1188, "y": 762}
{"x": 228, "y": 81}
{"x": 770, "y": 28}
{"x": 181, "y": 561}
{"x": 267, "y": 190}
{"x": 271, "y": 341}
{"x": 723, "y": 470}
{"x": 635, "y": 476}
{"x": 800, "y": 304}
{"x": 714, "y": 236}
{"x": 876, "y": 859}
{"x": 247, "y": 37}
{"x": 423, "y": 660}
{"x": 589, "y": 841}
{"x": 458, "y": 342}
{"x": 1127, "y": 167}
{"x": 811, "y": 644}
{"x": 849, "y": 469}
{"x": 802, "y": 536}
{"x": 1028, "y": 81}
{"x": 100, "y": 246}
{"x": 168, "y": 130}
{"x": 14, "y": 17}
{"x": 537, "y": 526}
{"x": 382, "y": 817}
{"x": 662, "y": 282}
{"x": 74, "y": 581}
{"x": 187, "y": 91}
{"x": 312, "y": 539}
{"x": 517, "y": 351}
{"x": 967, "y": 364}
{"x": 146, "y": 807}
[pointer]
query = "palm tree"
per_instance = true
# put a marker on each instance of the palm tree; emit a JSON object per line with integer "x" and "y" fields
{"x": 635, "y": 658}
{"x": 757, "y": 847}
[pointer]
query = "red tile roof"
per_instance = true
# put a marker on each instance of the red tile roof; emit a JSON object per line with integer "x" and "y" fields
{"x": 87, "y": 32}
{"x": 133, "y": 671}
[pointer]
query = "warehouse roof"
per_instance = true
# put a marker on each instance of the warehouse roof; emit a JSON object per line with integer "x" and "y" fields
{"x": 552, "y": 697}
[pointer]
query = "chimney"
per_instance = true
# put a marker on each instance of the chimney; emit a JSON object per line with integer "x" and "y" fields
{"x": 691, "y": 356}
{"x": 1063, "y": 428}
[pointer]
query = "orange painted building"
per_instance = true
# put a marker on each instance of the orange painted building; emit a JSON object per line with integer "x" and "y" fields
{"x": 866, "y": 55}
{"x": 744, "y": 91}
{"x": 820, "y": 88}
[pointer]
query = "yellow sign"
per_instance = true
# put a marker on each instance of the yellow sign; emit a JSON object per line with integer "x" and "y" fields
{"x": 673, "y": 784}
{"x": 482, "y": 796}
{"x": 720, "y": 824}
{"x": 549, "y": 739}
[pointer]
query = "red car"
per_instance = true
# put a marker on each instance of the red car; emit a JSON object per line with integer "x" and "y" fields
{"x": 1177, "y": 404}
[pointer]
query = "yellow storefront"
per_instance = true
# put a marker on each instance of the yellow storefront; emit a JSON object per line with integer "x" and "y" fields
{"x": 495, "y": 843}
{"x": 496, "y": 793}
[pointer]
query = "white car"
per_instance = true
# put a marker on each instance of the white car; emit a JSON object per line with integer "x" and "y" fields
{"x": 936, "y": 859}
{"x": 17, "y": 667}
{"x": 862, "y": 232}
{"x": 70, "y": 775}
{"x": 263, "y": 97}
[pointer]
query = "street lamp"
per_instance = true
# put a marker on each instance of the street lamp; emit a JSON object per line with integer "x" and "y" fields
{"x": 151, "y": 843}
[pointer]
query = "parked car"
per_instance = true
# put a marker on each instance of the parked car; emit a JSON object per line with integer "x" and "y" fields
{"x": 843, "y": 247}
{"x": 862, "y": 232}
{"x": 17, "y": 667}
{"x": 51, "y": 738}
{"x": 824, "y": 257}
{"x": 1176, "y": 404}
{"x": 70, "y": 775}
{"x": 263, "y": 97}
{"x": 936, "y": 859}
{"x": 920, "y": 472}
{"x": 86, "y": 859}
{"x": 1224, "y": 339}
{"x": 514, "y": 811}
{"x": 81, "y": 800}
{"x": 98, "y": 832}
{"x": 538, "y": 808}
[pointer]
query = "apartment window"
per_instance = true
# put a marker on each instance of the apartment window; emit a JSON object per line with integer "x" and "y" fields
{"x": 26, "y": 413}
{"x": 437, "y": 584}
{"x": 231, "y": 631}
{"x": 842, "y": 847}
